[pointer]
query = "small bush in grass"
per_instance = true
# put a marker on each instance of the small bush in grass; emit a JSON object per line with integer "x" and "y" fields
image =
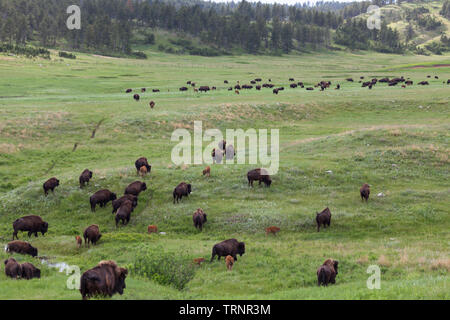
{"x": 67, "y": 55}
{"x": 171, "y": 269}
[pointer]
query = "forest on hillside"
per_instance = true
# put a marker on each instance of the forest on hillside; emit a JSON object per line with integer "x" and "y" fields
{"x": 110, "y": 26}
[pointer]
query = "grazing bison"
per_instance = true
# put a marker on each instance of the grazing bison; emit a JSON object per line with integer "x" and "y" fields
{"x": 230, "y": 152}
{"x": 105, "y": 279}
{"x": 50, "y": 184}
{"x": 152, "y": 104}
{"x": 327, "y": 272}
{"x": 293, "y": 85}
{"x": 258, "y": 87}
{"x": 338, "y": 86}
{"x": 183, "y": 189}
{"x": 32, "y": 224}
{"x": 237, "y": 87}
{"x": 29, "y": 271}
{"x": 207, "y": 171}
{"x": 85, "y": 176}
{"x": 91, "y": 235}
{"x": 136, "y": 97}
{"x": 365, "y": 192}
{"x": 152, "y": 229}
{"x": 142, "y": 162}
{"x": 349, "y": 79}
{"x": 230, "y": 247}
{"x": 101, "y": 197}
{"x": 135, "y": 188}
{"x": 423, "y": 83}
{"x": 79, "y": 241}
{"x": 310, "y": 88}
{"x": 21, "y": 247}
{"x": 128, "y": 90}
{"x": 12, "y": 268}
{"x": 260, "y": 175}
{"x": 183, "y": 89}
{"x": 275, "y": 91}
{"x": 225, "y": 81}
{"x": 323, "y": 218}
{"x": 204, "y": 88}
{"x": 229, "y": 261}
{"x": 118, "y": 202}
{"x": 274, "y": 230}
{"x": 408, "y": 82}
{"x": 155, "y": 90}
{"x": 199, "y": 218}
{"x": 448, "y": 81}
{"x": 143, "y": 89}
{"x": 124, "y": 212}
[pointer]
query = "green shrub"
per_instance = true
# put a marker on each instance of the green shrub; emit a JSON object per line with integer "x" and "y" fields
{"x": 67, "y": 55}
{"x": 171, "y": 269}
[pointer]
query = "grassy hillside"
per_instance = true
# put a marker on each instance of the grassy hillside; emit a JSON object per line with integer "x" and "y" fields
{"x": 393, "y": 138}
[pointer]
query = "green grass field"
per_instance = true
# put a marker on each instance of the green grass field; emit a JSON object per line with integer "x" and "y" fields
{"x": 396, "y": 139}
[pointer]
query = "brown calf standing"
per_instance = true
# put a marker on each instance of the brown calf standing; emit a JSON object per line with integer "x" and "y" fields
{"x": 143, "y": 171}
{"x": 199, "y": 261}
{"x": 207, "y": 171}
{"x": 152, "y": 229}
{"x": 229, "y": 261}
{"x": 79, "y": 241}
{"x": 272, "y": 230}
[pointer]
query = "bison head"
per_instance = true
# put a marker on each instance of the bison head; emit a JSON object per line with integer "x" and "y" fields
{"x": 189, "y": 188}
{"x": 113, "y": 196}
{"x": 44, "y": 228}
{"x": 241, "y": 248}
{"x": 335, "y": 265}
{"x": 57, "y": 182}
{"x": 121, "y": 274}
{"x": 33, "y": 252}
{"x": 143, "y": 186}
{"x": 90, "y": 174}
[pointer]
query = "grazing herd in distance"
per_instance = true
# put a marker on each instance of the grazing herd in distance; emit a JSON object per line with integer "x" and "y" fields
{"x": 107, "y": 278}
{"x": 321, "y": 84}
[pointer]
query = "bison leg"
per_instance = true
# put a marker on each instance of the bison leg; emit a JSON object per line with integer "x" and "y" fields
{"x": 29, "y": 234}
{"x": 15, "y": 235}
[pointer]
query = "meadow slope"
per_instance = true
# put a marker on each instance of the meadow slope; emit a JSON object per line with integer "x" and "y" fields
{"x": 396, "y": 139}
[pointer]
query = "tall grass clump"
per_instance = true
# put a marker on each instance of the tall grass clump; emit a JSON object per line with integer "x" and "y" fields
{"x": 170, "y": 269}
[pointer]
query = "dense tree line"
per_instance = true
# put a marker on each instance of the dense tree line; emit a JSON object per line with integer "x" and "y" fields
{"x": 109, "y": 25}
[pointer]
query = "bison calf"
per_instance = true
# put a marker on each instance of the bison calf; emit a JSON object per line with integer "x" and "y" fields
{"x": 152, "y": 229}
{"x": 207, "y": 171}
{"x": 79, "y": 241}
{"x": 142, "y": 162}
{"x": 229, "y": 261}
{"x": 274, "y": 230}
{"x": 32, "y": 224}
{"x": 230, "y": 247}
{"x": 50, "y": 184}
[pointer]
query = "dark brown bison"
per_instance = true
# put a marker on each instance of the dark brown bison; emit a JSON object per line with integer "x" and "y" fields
{"x": 152, "y": 104}
{"x": 204, "y": 88}
{"x": 136, "y": 97}
{"x": 225, "y": 81}
{"x": 183, "y": 189}
{"x": 142, "y": 162}
{"x": 207, "y": 171}
{"x": 105, "y": 279}
{"x": 349, "y": 79}
{"x": 423, "y": 83}
{"x": 275, "y": 91}
{"x": 143, "y": 89}
{"x": 327, "y": 272}
{"x": 124, "y": 212}
{"x": 85, "y": 176}
{"x": 29, "y": 271}
{"x": 118, "y": 202}
{"x": 21, "y": 247}
{"x": 155, "y": 90}
{"x": 323, "y": 218}
{"x": 32, "y": 224}
{"x": 199, "y": 218}
{"x": 309, "y": 88}
{"x": 101, "y": 197}
{"x": 12, "y": 268}
{"x": 293, "y": 85}
{"x": 258, "y": 87}
{"x": 260, "y": 175}
{"x": 50, "y": 184}
{"x": 91, "y": 235}
{"x": 183, "y": 89}
{"x": 128, "y": 90}
{"x": 135, "y": 188}
{"x": 365, "y": 192}
{"x": 230, "y": 247}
